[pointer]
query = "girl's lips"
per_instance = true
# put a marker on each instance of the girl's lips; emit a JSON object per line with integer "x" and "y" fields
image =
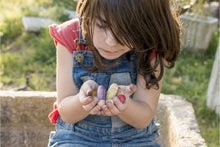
{"x": 109, "y": 52}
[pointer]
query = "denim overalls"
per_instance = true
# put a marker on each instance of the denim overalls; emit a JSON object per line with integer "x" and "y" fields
{"x": 99, "y": 130}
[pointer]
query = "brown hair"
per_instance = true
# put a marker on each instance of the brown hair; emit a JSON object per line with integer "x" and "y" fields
{"x": 145, "y": 26}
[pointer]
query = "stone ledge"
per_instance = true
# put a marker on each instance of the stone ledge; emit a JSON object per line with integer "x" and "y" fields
{"x": 24, "y": 120}
{"x": 27, "y": 94}
{"x": 179, "y": 127}
{"x": 197, "y": 31}
{"x": 35, "y": 24}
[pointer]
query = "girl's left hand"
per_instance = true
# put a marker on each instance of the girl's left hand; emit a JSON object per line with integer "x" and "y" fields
{"x": 117, "y": 106}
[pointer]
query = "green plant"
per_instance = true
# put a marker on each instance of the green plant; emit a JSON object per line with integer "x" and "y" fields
{"x": 71, "y": 5}
{"x": 11, "y": 28}
{"x": 45, "y": 51}
{"x": 195, "y": 7}
{"x": 214, "y": 43}
{"x": 57, "y": 13}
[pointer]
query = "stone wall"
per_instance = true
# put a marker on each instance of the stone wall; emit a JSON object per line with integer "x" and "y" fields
{"x": 24, "y": 120}
{"x": 197, "y": 31}
{"x": 178, "y": 125}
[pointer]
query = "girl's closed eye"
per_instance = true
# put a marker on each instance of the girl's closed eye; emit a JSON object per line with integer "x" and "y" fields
{"x": 101, "y": 26}
{"x": 101, "y": 23}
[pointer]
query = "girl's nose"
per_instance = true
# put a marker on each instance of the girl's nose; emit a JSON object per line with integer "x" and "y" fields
{"x": 110, "y": 40}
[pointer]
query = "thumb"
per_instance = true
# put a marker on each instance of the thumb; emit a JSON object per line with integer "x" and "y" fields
{"x": 88, "y": 87}
{"x": 131, "y": 89}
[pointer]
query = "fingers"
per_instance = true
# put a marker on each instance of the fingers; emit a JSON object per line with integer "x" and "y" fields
{"x": 110, "y": 109}
{"x": 89, "y": 103}
{"x": 96, "y": 110}
{"x": 119, "y": 105}
{"x": 86, "y": 100}
{"x": 92, "y": 107}
{"x": 105, "y": 111}
{"x": 131, "y": 89}
{"x": 86, "y": 90}
{"x": 89, "y": 106}
{"x": 88, "y": 87}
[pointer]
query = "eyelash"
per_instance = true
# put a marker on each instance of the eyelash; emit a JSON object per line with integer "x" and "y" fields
{"x": 101, "y": 26}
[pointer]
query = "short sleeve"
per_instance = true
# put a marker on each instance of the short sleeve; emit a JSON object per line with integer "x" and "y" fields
{"x": 65, "y": 33}
{"x": 152, "y": 55}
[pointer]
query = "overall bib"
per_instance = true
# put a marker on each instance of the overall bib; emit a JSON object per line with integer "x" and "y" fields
{"x": 99, "y": 130}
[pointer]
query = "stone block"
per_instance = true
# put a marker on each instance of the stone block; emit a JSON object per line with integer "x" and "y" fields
{"x": 35, "y": 24}
{"x": 213, "y": 95}
{"x": 178, "y": 125}
{"x": 197, "y": 31}
{"x": 24, "y": 120}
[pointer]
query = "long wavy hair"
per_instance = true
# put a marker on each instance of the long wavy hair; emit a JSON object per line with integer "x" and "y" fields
{"x": 145, "y": 26}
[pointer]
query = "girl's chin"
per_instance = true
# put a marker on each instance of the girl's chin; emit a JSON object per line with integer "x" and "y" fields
{"x": 110, "y": 57}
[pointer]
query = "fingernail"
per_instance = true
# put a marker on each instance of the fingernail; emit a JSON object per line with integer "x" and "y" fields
{"x": 114, "y": 98}
{"x": 89, "y": 99}
{"x": 104, "y": 107}
{"x": 109, "y": 103}
{"x": 89, "y": 92}
{"x": 98, "y": 107}
{"x": 132, "y": 87}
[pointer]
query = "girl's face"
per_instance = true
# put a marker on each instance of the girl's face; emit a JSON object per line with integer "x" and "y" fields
{"x": 105, "y": 43}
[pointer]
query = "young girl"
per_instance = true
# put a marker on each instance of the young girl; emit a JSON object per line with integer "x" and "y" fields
{"x": 127, "y": 42}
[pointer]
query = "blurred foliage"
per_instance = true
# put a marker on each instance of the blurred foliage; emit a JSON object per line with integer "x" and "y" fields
{"x": 195, "y": 7}
{"x": 11, "y": 23}
{"x": 45, "y": 52}
{"x": 67, "y": 4}
{"x": 11, "y": 27}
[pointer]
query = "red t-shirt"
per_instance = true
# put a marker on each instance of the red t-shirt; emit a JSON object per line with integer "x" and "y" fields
{"x": 66, "y": 33}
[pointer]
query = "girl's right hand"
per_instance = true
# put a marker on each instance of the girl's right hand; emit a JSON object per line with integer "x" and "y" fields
{"x": 117, "y": 106}
{"x": 89, "y": 103}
